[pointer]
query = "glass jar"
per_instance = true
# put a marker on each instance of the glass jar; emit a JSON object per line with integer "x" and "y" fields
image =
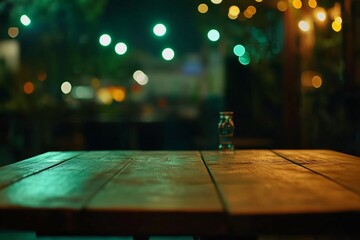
{"x": 226, "y": 131}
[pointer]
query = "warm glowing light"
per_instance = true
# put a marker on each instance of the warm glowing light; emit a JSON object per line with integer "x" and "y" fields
{"x": 258, "y": 0}
{"x": 25, "y": 20}
{"x": 216, "y": 1}
{"x": 105, "y": 40}
{"x": 104, "y": 96}
{"x": 338, "y": 20}
{"x": 118, "y": 94}
{"x": 42, "y": 76}
{"x": 320, "y": 14}
{"x": 297, "y": 4}
{"x": 316, "y": 81}
{"x": 251, "y": 9}
{"x": 232, "y": 17}
{"x": 306, "y": 78}
{"x": 168, "y": 54}
{"x": 239, "y": 50}
{"x": 120, "y": 48}
{"x": 13, "y": 32}
{"x": 234, "y": 10}
{"x": 213, "y": 35}
{"x": 66, "y": 87}
{"x": 140, "y": 77}
{"x": 159, "y": 29}
{"x": 312, "y": 3}
{"x": 336, "y": 26}
{"x": 247, "y": 14}
{"x": 29, "y": 87}
{"x": 282, "y": 6}
{"x": 304, "y": 26}
{"x": 335, "y": 11}
{"x": 203, "y": 8}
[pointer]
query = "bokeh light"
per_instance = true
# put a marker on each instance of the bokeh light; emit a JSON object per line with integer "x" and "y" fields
{"x": 105, "y": 40}
{"x": 168, "y": 54}
{"x": 338, "y": 20}
{"x": 118, "y": 94}
{"x": 232, "y": 17}
{"x": 66, "y": 87}
{"x": 83, "y": 92}
{"x": 297, "y": 4}
{"x": 245, "y": 59}
{"x": 304, "y": 26}
{"x": 312, "y": 3}
{"x": 203, "y": 8}
{"x": 234, "y": 10}
{"x": 249, "y": 11}
{"x": 282, "y": 6}
{"x": 159, "y": 29}
{"x": 13, "y": 32}
{"x": 216, "y": 1}
{"x": 213, "y": 35}
{"x": 316, "y": 81}
{"x": 336, "y": 26}
{"x": 320, "y": 14}
{"x": 25, "y": 20}
{"x": 29, "y": 87}
{"x": 120, "y": 48}
{"x": 42, "y": 76}
{"x": 239, "y": 50}
{"x": 140, "y": 77}
{"x": 104, "y": 96}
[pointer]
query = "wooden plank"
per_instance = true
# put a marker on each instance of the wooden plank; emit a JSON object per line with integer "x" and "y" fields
{"x": 52, "y": 198}
{"x": 159, "y": 192}
{"x": 265, "y": 193}
{"x": 340, "y": 167}
{"x": 14, "y": 172}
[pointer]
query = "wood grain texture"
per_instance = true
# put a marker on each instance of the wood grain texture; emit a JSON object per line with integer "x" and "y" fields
{"x": 156, "y": 193}
{"x": 264, "y": 192}
{"x": 15, "y": 172}
{"x": 339, "y": 167}
{"x": 53, "y": 197}
{"x": 172, "y": 193}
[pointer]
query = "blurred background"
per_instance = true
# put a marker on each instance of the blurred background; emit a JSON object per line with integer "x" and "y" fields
{"x": 153, "y": 75}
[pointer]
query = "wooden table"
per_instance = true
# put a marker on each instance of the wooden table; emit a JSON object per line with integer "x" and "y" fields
{"x": 209, "y": 193}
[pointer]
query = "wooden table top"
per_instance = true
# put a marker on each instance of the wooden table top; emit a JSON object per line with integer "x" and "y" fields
{"x": 248, "y": 192}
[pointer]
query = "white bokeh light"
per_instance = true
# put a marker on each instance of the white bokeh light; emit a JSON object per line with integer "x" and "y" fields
{"x": 66, "y": 87}
{"x": 105, "y": 40}
{"x": 159, "y": 29}
{"x": 120, "y": 48}
{"x": 25, "y": 20}
{"x": 140, "y": 77}
{"x": 168, "y": 54}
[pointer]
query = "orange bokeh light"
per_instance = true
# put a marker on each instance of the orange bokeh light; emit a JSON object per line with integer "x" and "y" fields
{"x": 29, "y": 87}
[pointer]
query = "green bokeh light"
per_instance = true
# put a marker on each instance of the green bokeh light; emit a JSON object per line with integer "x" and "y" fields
{"x": 245, "y": 59}
{"x": 239, "y": 50}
